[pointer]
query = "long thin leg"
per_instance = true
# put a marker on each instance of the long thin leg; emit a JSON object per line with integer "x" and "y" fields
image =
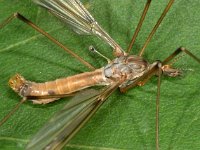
{"x": 139, "y": 25}
{"x": 168, "y": 59}
{"x": 158, "y": 104}
{"x": 156, "y": 69}
{"x": 2, "y": 121}
{"x": 23, "y": 19}
{"x": 156, "y": 26}
{"x": 178, "y": 51}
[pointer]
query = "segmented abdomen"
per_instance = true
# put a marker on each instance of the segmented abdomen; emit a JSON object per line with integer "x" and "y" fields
{"x": 60, "y": 86}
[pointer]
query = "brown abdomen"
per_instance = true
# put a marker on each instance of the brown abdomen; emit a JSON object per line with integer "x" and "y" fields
{"x": 66, "y": 85}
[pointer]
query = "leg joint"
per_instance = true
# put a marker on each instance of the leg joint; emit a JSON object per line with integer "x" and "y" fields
{"x": 16, "y": 14}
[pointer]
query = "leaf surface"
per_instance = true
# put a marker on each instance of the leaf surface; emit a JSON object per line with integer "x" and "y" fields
{"x": 125, "y": 121}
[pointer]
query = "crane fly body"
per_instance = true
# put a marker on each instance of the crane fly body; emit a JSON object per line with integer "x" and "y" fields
{"x": 125, "y": 71}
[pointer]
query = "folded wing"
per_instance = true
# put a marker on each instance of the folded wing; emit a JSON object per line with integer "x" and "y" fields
{"x": 66, "y": 123}
{"x": 73, "y": 13}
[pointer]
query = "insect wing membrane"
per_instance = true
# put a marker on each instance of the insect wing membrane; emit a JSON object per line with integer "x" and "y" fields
{"x": 62, "y": 125}
{"x": 73, "y": 13}
{"x": 78, "y": 122}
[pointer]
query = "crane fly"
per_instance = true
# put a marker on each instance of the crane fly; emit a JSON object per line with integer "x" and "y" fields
{"x": 125, "y": 71}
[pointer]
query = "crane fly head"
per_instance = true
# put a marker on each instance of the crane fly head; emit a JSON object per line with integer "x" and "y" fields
{"x": 16, "y": 82}
{"x": 169, "y": 71}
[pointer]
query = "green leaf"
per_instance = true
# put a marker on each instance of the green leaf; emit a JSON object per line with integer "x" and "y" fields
{"x": 125, "y": 121}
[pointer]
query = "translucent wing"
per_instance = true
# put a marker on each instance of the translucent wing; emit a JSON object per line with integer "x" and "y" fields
{"x": 61, "y": 128}
{"x": 73, "y": 13}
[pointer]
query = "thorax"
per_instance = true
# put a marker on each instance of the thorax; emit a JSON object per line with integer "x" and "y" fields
{"x": 128, "y": 68}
